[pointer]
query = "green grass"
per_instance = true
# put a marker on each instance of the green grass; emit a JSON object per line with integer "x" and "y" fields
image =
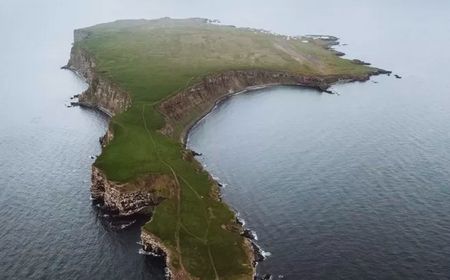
{"x": 153, "y": 60}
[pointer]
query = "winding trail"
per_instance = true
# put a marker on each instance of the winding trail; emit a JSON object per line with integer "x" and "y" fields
{"x": 179, "y": 224}
{"x": 177, "y": 231}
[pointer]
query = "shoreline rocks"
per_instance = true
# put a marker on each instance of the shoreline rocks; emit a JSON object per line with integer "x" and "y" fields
{"x": 136, "y": 197}
{"x": 152, "y": 244}
{"x": 360, "y": 62}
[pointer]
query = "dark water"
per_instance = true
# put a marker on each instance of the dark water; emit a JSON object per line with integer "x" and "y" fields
{"x": 350, "y": 186}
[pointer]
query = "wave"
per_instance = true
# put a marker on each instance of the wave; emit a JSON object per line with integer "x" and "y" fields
{"x": 147, "y": 253}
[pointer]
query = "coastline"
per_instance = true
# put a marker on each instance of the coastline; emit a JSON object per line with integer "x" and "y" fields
{"x": 93, "y": 107}
{"x": 220, "y": 86}
{"x": 155, "y": 246}
{"x": 108, "y": 98}
{"x": 257, "y": 251}
{"x": 151, "y": 243}
{"x": 185, "y": 134}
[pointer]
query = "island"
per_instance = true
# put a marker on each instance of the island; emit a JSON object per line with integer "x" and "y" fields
{"x": 155, "y": 79}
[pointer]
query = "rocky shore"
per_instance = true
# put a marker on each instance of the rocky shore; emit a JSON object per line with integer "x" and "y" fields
{"x": 151, "y": 243}
{"x": 136, "y": 197}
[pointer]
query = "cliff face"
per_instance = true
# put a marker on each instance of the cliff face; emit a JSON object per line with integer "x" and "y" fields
{"x": 138, "y": 196}
{"x": 141, "y": 195}
{"x": 200, "y": 97}
{"x": 101, "y": 93}
{"x": 105, "y": 139}
{"x": 152, "y": 244}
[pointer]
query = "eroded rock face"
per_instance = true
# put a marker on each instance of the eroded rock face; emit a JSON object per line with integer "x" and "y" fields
{"x": 105, "y": 96}
{"x": 105, "y": 139}
{"x": 138, "y": 196}
{"x": 99, "y": 183}
{"x": 202, "y": 96}
{"x": 101, "y": 93}
{"x": 152, "y": 244}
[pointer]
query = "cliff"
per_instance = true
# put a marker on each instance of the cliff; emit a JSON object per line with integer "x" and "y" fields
{"x": 135, "y": 197}
{"x": 101, "y": 94}
{"x": 183, "y": 109}
{"x": 153, "y": 244}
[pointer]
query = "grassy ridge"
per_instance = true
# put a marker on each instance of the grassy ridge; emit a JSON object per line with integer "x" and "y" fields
{"x": 153, "y": 60}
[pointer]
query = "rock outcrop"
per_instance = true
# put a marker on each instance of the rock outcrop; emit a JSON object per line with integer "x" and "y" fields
{"x": 105, "y": 139}
{"x": 135, "y": 197}
{"x": 151, "y": 243}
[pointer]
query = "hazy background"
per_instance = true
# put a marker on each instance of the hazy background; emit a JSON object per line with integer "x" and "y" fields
{"x": 49, "y": 230}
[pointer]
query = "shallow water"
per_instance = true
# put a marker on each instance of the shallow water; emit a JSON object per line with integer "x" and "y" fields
{"x": 350, "y": 186}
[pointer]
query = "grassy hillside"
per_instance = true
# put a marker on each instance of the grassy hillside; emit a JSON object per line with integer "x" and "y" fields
{"x": 152, "y": 60}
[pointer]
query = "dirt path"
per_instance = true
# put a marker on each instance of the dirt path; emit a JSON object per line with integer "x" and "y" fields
{"x": 179, "y": 224}
{"x": 178, "y": 186}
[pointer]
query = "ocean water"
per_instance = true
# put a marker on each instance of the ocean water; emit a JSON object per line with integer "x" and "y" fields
{"x": 349, "y": 186}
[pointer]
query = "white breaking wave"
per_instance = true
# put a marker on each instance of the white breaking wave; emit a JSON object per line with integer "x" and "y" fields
{"x": 143, "y": 252}
{"x": 255, "y": 236}
{"x": 124, "y": 226}
{"x": 265, "y": 254}
{"x": 240, "y": 220}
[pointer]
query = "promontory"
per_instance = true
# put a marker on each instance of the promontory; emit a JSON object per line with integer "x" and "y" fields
{"x": 156, "y": 78}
